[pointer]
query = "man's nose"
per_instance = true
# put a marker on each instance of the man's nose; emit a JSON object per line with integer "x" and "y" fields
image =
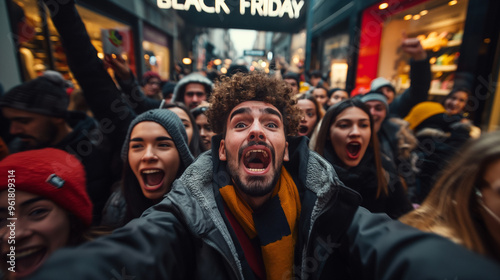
{"x": 256, "y": 132}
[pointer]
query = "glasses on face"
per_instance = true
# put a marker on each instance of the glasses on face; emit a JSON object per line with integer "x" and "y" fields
{"x": 193, "y": 93}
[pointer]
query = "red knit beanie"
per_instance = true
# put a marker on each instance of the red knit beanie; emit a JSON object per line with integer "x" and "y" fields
{"x": 53, "y": 174}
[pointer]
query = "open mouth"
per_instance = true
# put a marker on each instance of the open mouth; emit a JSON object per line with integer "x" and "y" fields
{"x": 256, "y": 160}
{"x": 27, "y": 261}
{"x": 153, "y": 178}
{"x": 303, "y": 129}
{"x": 353, "y": 149}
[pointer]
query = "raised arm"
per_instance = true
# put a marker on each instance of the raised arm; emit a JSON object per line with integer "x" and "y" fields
{"x": 420, "y": 76}
{"x": 100, "y": 92}
{"x": 134, "y": 95}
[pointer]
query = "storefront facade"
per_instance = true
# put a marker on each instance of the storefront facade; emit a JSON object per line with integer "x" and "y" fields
{"x": 145, "y": 34}
{"x": 459, "y": 37}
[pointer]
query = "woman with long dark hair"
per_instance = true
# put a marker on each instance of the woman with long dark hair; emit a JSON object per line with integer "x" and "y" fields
{"x": 348, "y": 141}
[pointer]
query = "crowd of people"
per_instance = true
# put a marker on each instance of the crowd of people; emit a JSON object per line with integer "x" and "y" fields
{"x": 242, "y": 176}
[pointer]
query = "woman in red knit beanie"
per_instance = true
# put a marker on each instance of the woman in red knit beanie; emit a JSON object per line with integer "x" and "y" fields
{"x": 44, "y": 206}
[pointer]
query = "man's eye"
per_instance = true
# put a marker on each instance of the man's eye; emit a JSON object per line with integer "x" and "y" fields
{"x": 240, "y": 125}
{"x": 135, "y": 146}
{"x": 310, "y": 115}
{"x": 272, "y": 125}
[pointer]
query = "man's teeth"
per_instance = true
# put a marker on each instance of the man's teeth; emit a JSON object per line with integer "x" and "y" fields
{"x": 256, "y": 169}
{"x": 264, "y": 153}
{"x": 150, "y": 171}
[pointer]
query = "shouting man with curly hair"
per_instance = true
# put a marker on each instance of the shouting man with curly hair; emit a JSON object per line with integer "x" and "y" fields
{"x": 261, "y": 205}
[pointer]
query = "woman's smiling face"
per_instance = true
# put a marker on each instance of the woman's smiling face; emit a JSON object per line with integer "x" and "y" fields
{"x": 41, "y": 227}
{"x": 350, "y": 135}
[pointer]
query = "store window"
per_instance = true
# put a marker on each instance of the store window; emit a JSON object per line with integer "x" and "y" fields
{"x": 439, "y": 24}
{"x": 335, "y": 53}
{"x": 39, "y": 44}
{"x": 156, "y": 55}
{"x": 30, "y": 38}
{"x": 94, "y": 23}
{"x": 440, "y": 27}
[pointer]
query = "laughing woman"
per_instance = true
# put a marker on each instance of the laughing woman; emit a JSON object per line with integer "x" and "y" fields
{"x": 44, "y": 206}
{"x": 348, "y": 141}
{"x": 155, "y": 153}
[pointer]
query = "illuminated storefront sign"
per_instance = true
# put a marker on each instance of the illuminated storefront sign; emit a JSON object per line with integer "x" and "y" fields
{"x": 263, "y": 8}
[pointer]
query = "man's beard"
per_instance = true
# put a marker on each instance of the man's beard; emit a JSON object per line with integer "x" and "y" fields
{"x": 257, "y": 185}
{"x": 50, "y": 132}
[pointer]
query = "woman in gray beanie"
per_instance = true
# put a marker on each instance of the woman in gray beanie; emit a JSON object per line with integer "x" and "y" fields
{"x": 155, "y": 153}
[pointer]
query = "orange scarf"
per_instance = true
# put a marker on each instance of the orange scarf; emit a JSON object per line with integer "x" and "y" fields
{"x": 274, "y": 224}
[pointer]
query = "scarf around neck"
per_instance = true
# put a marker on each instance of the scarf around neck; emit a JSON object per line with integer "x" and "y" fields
{"x": 273, "y": 224}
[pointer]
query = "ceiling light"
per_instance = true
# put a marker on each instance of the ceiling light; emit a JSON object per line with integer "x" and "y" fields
{"x": 424, "y": 12}
{"x": 453, "y": 2}
{"x": 408, "y": 17}
{"x": 416, "y": 17}
{"x": 383, "y": 6}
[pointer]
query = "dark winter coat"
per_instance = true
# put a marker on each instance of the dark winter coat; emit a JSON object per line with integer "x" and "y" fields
{"x": 363, "y": 179}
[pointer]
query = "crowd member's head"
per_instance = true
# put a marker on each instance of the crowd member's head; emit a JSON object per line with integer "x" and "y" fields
{"x": 347, "y": 131}
{"x": 192, "y": 90}
{"x": 52, "y": 209}
{"x": 236, "y": 68}
{"x": 464, "y": 204}
{"x": 312, "y": 112}
{"x": 206, "y": 132}
{"x": 455, "y": 101}
{"x": 293, "y": 80}
{"x": 316, "y": 78}
{"x": 151, "y": 84}
{"x": 377, "y": 103}
{"x": 336, "y": 95}
{"x": 193, "y": 134}
{"x": 168, "y": 91}
{"x": 321, "y": 95}
{"x": 155, "y": 153}
{"x": 430, "y": 114}
{"x": 254, "y": 113}
{"x": 385, "y": 87}
{"x": 37, "y": 111}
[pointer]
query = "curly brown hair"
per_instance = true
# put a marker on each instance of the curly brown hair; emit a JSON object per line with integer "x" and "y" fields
{"x": 229, "y": 92}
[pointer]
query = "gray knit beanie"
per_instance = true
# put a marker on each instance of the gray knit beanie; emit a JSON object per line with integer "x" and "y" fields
{"x": 171, "y": 122}
{"x": 375, "y": 96}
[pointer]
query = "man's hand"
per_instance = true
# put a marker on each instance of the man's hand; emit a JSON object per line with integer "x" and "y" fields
{"x": 413, "y": 47}
{"x": 119, "y": 66}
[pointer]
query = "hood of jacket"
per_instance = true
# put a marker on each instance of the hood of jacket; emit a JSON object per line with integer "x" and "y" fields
{"x": 178, "y": 95}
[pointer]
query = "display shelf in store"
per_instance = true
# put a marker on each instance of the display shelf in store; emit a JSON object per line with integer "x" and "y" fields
{"x": 443, "y": 68}
{"x": 439, "y": 91}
